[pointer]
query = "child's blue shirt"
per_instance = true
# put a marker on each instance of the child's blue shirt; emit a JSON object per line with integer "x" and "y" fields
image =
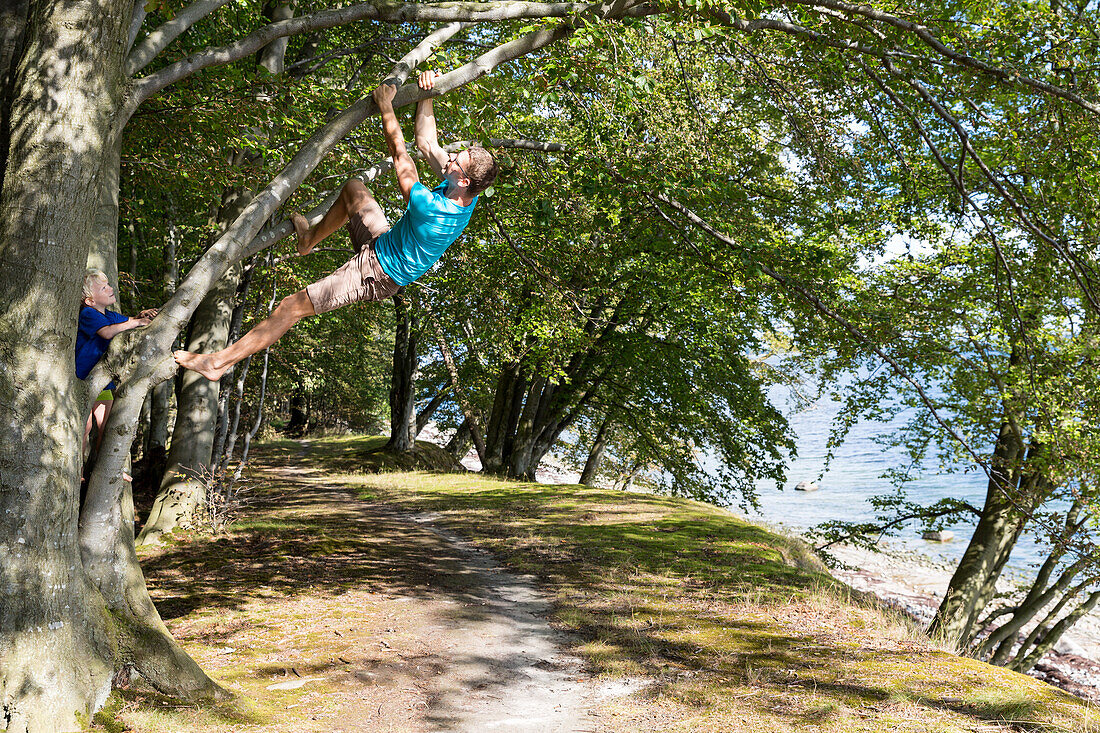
{"x": 90, "y": 346}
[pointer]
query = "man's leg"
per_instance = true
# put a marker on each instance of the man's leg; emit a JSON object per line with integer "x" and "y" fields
{"x": 292, "y": 309}
{"x": 354, "y": 198}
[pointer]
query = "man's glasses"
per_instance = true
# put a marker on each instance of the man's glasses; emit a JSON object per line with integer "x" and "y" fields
{"x": 453, "y": 158}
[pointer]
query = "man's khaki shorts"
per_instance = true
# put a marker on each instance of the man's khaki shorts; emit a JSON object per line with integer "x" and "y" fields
{"x": 360, "y": 278}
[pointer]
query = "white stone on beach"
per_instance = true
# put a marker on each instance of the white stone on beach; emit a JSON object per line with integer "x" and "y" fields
{"x": 1067, "y": 646}
{"x": 941, "y": 535}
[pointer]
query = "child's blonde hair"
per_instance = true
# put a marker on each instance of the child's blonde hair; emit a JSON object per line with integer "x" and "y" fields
{"x": 91, "y": 279}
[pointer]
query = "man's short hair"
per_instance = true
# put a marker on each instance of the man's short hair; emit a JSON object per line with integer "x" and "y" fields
{"x": 482, "y": 170}
{"x": 91, "y": 279}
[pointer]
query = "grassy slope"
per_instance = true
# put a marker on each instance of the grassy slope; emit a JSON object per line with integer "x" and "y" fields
{"x": 734, "y": 628}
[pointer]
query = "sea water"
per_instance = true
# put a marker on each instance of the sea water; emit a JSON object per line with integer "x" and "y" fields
{"x": 856, "y": 473}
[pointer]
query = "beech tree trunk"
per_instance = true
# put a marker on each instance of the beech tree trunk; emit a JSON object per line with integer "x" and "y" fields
{"x": 595, "y": 455}
{"x": 1011, "y": 493}
{"x": 57, "y": 649}
{"x": 182, "y": 491}
{"x": 403, "y": 379}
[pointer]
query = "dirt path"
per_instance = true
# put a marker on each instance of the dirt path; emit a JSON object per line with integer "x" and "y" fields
{"x": 499, "y": 665}
{"x": 347, "y": 616}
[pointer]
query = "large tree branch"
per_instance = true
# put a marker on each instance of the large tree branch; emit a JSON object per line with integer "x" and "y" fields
{"x": 283, "y": 229}
{"x": 146, "y": 87}
{"x": 159, "y": 39}
{"x": 137, "y": 17}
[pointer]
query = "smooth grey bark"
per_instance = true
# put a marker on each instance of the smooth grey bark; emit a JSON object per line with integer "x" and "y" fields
{"x": 160, "y": 400}
{"x": 13, "y": 24}
{"x": 103, "y": 249}
{"x": 182, "y": 493}
{"x": 57, "y": 647}
{"x": 108, "y": 554}
{"x": 272, "y": 57}
{"x": 403, "y": 378}
{"x": 1012, "y": 493}
{"x": 595, "y": 455}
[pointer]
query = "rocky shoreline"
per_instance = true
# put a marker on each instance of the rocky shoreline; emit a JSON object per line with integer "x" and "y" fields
{"x": 914, "y": 584}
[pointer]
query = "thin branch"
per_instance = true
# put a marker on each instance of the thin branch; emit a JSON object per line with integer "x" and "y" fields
{"x": 1011, "y": 78}
{"x": 159, "y": 39}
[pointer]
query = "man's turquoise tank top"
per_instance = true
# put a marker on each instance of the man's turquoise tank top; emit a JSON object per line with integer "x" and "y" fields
{"x": 423, "y": 233}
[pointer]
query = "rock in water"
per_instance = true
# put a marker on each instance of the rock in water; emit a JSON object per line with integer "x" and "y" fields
{"x": 938, "y": 535}
{"x": 806, "y": 486}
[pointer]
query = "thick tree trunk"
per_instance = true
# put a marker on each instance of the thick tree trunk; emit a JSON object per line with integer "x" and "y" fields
{"x": 107, "y": 545}
{"x": 273, "y": 54}
{"x": 103, "y": 250}
{"x": 13, "y": 26}
{"x": 500, "y": 430}
{"x": 56, "y": 645}
{"x": 459, "y": 444}
{"x": 999, "y": 526}
{"x": 182, "y": 491}
{"x": 403, "y": 379}
{"x": 155, "y": 450}
{"x": 595, "y": 455}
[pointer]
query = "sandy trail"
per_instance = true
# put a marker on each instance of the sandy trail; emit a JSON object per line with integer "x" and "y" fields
{"x": 506, "y": 670}
{"x": 468, "y": 648}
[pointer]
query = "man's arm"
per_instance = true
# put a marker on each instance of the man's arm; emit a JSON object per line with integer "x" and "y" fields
{"x": 404, "y": 167}
{"x": 427, "y": 140}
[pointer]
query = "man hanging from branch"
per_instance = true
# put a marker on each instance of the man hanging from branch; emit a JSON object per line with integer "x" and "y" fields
{"x": 385, "y": 258}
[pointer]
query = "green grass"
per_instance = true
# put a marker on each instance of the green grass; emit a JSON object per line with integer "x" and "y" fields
{"x": 726, "y": 626}
{"x": 739, "y": 626}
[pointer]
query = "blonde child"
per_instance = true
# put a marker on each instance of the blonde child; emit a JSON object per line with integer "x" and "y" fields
{"x": 96, "y": 327}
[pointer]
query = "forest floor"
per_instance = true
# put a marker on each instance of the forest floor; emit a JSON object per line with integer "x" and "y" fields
{"x": 347, "y": 599}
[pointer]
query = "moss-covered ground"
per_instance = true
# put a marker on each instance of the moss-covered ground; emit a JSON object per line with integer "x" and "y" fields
{"x": 724, "y": 625}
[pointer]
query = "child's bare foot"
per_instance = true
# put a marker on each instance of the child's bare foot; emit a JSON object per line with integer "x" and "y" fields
{"x": 201, "y": 363}
{"x": 301, "y": 230}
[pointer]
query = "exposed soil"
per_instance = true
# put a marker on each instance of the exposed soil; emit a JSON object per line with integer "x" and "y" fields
{"x": 368, "y": 619}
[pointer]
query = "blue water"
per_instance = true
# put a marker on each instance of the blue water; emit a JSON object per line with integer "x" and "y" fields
{"x": 856, "y": 474}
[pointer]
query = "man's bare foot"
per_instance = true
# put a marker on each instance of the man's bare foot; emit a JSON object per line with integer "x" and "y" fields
{"x": 201, "y": 363}
{"x": 301, "y": 230}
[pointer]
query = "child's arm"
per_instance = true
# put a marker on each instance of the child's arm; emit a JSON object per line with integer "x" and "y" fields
{"x": 109, "y": 332}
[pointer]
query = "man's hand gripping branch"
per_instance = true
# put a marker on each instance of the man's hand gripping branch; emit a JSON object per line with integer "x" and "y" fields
{"x": 403, "y": 165}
